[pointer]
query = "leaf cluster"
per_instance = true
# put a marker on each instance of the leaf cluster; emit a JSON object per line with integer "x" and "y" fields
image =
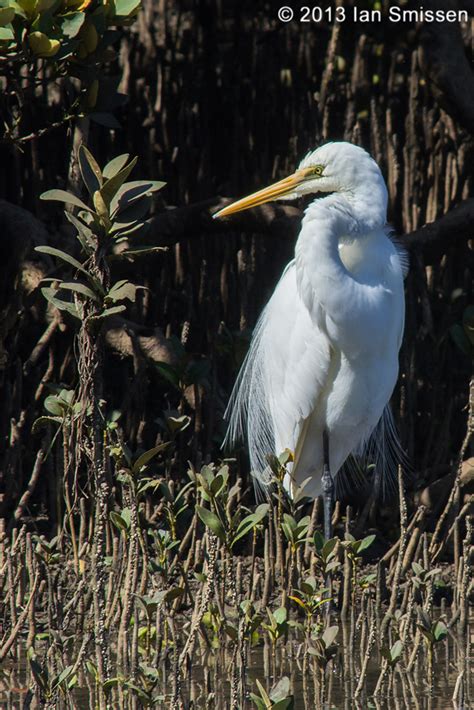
{"x": 310, "y": 596}
{"x": 66, "y": 32}
{"x": 421, "y": 577}
{"x": 279, "y": 697}
{"x": 433, "y": 631}
{"x": 324, "y": 648}
{"x": 393, "y": 654}
{"x": 228, "y": 525}
{"x": 64, "y": 681}
{"x": 118, "y": 210}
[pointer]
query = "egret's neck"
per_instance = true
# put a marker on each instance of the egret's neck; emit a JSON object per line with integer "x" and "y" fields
{"x": 336, "y": 235}
{"x": 368, "y": 203}
{"x": 360, "y": 210}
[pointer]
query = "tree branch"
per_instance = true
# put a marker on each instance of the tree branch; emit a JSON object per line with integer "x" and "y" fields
{"x": 175, "y": 225}
{"x": 455, "y": 226}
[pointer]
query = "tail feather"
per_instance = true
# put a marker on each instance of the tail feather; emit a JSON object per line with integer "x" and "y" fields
{"x": 382, "y": 450}
{"x": 248, "y": 411}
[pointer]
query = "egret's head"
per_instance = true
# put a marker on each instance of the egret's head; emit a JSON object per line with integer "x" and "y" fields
{"x": 333, "y": 167}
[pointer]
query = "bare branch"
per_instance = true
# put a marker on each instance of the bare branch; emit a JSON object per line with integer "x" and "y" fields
{"x": 181, "y": 223}
{"x": 173, "y": 225}
{"x": 455, "y": 226}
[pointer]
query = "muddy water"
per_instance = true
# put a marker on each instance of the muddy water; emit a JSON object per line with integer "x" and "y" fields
{"x": 208, "y": 687}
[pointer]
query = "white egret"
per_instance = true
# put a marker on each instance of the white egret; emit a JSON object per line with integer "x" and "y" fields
{"x": 323, "y": 361}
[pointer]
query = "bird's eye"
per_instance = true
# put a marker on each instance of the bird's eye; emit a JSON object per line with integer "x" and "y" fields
{"x": 317, "y": 170}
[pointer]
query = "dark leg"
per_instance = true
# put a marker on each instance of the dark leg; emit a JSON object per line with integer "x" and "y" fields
{"x": 328, "y": 501}
{"x": 328, "y": 488}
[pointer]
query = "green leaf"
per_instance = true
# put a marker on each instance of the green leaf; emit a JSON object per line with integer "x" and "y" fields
{"x": 39, "y": 675}
{"x": 52, "y": 405}
{"x": 134, "y": 212}
{"x": 124, "y": 8}
{"x": 288, "y": 532}
{"x": 63, "y": 675}
{"x": 28, "y": 6}
{"x": 424, "y": 619}
{"x": 396, "y": 651}
{"x": 168, "y": 373}
{"x": 115, "y": 165}
{"x": 280, "y": 615}
{"x": 84, "y": 234}
{"x": 250, "y": 522}
{"x": 329, "y": 636}
{"x": 44, "y": 421}
{"x": 63, "y": 196}
{"x": 328, "y": 548}
{"x": 101, "y": 209}
{"x": 142, "y": 251}
{"x": 112, "y": 683}
{"x": 302, "y": 527}
{"x": 217, "y": 484}
{"x": 104, "y": 118}
{"x": 427, "y": 634}
{"x": 72, "y": 682}
{"x": 118, "y": 521}
{"x": 281, "y": 690}
{"x": 146, "y": 457}
{"x": 264, "y": 695}
{"x": 92, "y": 669}
{"x": 258, "y": 702}
{"x": 63, "y": 257}
{"x": 122, "y": 290}
{"x": 231, "y": 631}
{"x": 366, "y": 542}
{"x": 6, "y": 34}
{"x": 111, "y": 186}
{"x": 211, "y": 521}
{"x": 289, "y": 521}
{"x": 78, "y": 287}
{"x": 126, "y": 517}
{"x": 417, "y": 568}
{"x": 284, "y": 704}
{"x": 318, "y": 540}
{"x": 71, "y": 23}
{"x": 42, "y": 46}
{"x": 308, "y": 586}
{"x": 90, "y": 171}
{"x": 6, "y": 16}
{"x": 440, "y": 631}
{"x": 173, "y": 593}
{"x": 132, "y": 191}
{"x": 49, "y": 294}
{"x": 176, "y": 424}
{"x": 119, "y": 232}
{"x": 109, "y": 312}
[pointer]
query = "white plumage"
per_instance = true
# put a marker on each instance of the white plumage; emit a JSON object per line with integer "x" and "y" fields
{"x": 324, "y": 354}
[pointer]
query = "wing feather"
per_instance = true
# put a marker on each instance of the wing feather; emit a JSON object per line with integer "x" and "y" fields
{"x": 281, "y": 379}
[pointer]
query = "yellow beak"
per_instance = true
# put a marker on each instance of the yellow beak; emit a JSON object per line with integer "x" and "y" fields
{"x": 273, "y": 192}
